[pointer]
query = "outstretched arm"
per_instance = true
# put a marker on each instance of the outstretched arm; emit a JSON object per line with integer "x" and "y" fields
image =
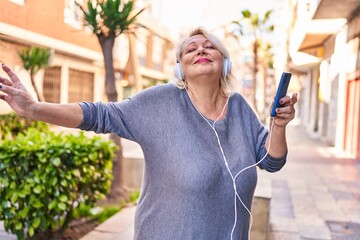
{"x": 19, "y": 99}
{"x": 284, "y": 115}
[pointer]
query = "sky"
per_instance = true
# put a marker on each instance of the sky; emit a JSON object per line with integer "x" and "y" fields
{"x": 180, "y": 15}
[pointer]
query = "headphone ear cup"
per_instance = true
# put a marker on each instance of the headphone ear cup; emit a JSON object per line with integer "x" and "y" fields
{"x": 179, "y": 73}
{"x": 226, "y": 67}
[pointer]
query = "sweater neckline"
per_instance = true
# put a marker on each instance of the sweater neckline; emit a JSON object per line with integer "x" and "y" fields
{"x": 188, "y": 100}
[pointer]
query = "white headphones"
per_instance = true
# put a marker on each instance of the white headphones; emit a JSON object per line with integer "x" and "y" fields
{"x": 179, "y": 73}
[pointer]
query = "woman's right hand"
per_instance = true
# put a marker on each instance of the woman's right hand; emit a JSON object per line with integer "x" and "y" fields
{"x": 16, "y": 94}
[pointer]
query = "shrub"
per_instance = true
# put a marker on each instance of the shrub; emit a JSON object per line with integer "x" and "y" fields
{"x": 11, "y": 125}
{"x": 44, "y": 177}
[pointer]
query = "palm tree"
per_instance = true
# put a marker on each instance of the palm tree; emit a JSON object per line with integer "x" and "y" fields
{"x": 258, "y": 26}
{"x": 34, "y": 59}
{"x": 107, "y": 20}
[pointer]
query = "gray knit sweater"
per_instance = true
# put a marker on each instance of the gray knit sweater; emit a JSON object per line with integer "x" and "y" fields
{"x": 187, "y": 192}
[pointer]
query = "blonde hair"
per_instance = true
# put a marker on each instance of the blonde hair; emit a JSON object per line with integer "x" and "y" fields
{"x": 226, "y": 83}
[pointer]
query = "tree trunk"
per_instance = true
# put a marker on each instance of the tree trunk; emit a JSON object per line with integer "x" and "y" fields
{"x": 117, "y": 190}
{"x": 40, "y": 96}
{"x": 107, "y": 44}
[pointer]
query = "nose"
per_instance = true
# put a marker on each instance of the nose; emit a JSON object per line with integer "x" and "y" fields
{"x": 202, "y": 51}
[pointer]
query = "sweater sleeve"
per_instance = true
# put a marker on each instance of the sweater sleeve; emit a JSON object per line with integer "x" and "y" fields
{"x": 135, "y": 118}
{"x": 270, "y": 164}
{"x": 109, "y": 118}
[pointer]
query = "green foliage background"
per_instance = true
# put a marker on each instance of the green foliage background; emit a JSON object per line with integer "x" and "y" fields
{"x": 11, "y": 125}
{"x": 44, "y": 176}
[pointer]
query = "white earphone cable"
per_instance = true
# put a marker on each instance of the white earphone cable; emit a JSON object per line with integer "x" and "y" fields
{"x": 236, "y": 194}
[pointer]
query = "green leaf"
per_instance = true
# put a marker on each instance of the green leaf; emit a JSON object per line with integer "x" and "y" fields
{"x": 24, "y": 212}
{"x": 30, "y": 180}
{"x": 56, "y": 161}
{"x": 62, "y": 206}
{"x": 36, "y": 222}
{"x": 37, "y": 203}
{"x": 63, "y": 198}
{"x": 37, "y": 189}
{"x": 52, "y": 205}
{"x": 64, "y": 183}
{"x": 31, "y": 231}
{"x": 18, "y": 226}
{"x": 14, "y": 198}
{"x": 36, "y": 179}
{"x": 5, "y": 182}
{"x": 20, "y": 234}
{"x": 23, "y": 193}
{"x": 267, "y": 16}
{"x": 13, "y": 185}
{"x": 246, "y": 13}
{"x": 76, "y": 172}
{"x": 53, "y": 181}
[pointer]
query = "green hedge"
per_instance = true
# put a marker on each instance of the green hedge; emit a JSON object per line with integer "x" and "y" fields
{"x": 11, "y": 125}
{"x": 45, "y": 176}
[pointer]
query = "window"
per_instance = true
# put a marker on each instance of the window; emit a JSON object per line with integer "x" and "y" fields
{"x": 51, "y": 84}
{"x": 81, "y": 86}
{"x": 73, "y": 14}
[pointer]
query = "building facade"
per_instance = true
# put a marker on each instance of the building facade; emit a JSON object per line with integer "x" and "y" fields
{"x": 324, "y": 54}
{"x": 76, "y": 70}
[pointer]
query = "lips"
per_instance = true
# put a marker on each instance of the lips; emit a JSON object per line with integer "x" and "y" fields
{"x": 202, "y": 60}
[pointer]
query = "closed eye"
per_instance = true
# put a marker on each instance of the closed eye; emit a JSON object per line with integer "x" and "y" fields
{"x": 210, "y": 47}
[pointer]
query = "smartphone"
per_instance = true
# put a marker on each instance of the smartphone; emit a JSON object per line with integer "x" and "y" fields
{"x": 281, "y": 91}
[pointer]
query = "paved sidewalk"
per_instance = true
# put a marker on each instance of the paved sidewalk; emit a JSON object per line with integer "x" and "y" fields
{"x": 316, "y": 195}
{"x": 118, "y": 227}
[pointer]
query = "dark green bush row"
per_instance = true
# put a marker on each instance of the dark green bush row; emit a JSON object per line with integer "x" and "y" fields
{"x": 44, "y": 177}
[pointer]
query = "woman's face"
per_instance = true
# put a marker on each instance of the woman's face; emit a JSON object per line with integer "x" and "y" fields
{"x": 201, "y": 57}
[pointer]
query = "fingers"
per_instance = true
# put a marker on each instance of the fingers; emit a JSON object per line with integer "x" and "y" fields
{"x": 8, "y": 90}
{"x": 5, "y": 81}
{"x": 294, "y": 98}
{"x": 2, "y": 96}
{"x": 286, "y": 101}
{"x": 10, "y": 73}
{"x": 287, "y": 111}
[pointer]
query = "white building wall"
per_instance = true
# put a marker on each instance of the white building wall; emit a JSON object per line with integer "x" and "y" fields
{"x": 339, "y": 64}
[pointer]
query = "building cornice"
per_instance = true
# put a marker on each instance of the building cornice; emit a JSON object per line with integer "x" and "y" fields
{"x": 32, "y": 38}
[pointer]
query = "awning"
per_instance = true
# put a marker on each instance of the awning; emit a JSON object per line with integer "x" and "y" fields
{"x": 317, "y": 32}
{"x": 336, "y": 9}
